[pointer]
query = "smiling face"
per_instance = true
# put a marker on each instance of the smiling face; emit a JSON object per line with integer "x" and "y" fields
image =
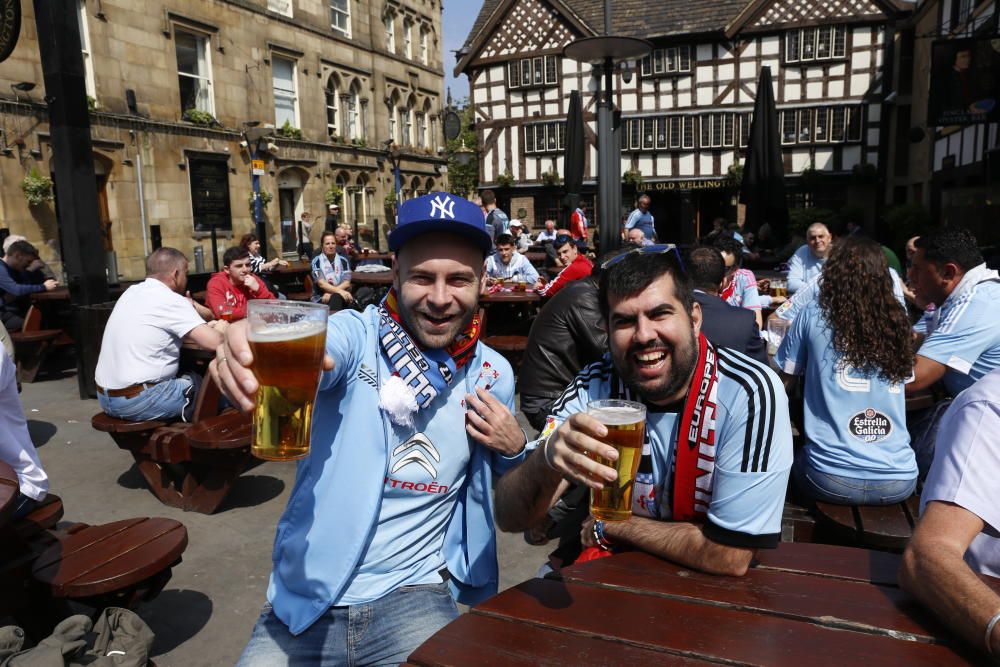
{"x": 653, "y": 341}
{"x": 254, "y": 248}
{"x": 238, "y": 270}
{"x": 567, "y": 253}
{"x": 437, "y": 278}
{"x": 819, "y": 239}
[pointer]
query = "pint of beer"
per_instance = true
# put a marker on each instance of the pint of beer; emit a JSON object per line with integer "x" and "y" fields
{"x": 626, "y": 424}
{"x": 287, "y": 339}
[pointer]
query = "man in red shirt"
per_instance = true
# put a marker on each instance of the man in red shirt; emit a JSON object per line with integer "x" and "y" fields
{"x": 229, "y": 290}
{"x": 578, "y": 225}
{"x": 576, "y": 263}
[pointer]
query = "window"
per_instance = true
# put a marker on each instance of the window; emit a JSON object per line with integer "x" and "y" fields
{"x": 673, "y": 60}
{"x": 280, "y": 6}
{"x": 88, "y": 63}
{"x": 545, "y": 137}
{"x": 425, "y": 56}
{"x": 820, "y": 43}
{"x": 351, "y": 115}
{"x": 285, "y": 96}
{"x": 332, "y": 129}
{"x": 408, "y": 38}
{"x": 836, "y": 124}
{"x": 541, "y": 71}
{"x": 669, "y": 132}
{"x": 340, "y": 17}
{"x": 363, "y": 115}
{"x": 718, "y": 130}
{"x": 209, "y": 180}
{"x": 392, "y": 124}
{"x": 194, "y": 71}
{"x": 745, "y": 123}
{"x": 406, "y": 121}
{"x": 389, "y": 22}
{"x": 421, "y": 130}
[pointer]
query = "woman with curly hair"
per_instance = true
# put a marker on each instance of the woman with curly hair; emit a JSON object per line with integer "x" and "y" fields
{"x": 853, "y": 346}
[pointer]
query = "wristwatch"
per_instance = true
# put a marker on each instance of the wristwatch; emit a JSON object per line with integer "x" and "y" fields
{"x": 599, "y": 537}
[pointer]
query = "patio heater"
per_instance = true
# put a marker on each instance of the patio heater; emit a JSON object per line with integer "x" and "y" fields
{"x": 604, "y": 53}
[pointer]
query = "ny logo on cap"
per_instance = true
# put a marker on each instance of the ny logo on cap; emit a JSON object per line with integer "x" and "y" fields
{"x": 445, "y": 207}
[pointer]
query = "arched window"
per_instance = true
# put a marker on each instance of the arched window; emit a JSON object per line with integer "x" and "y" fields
{"x": 406, "y": 121}
{"x": 391, "y": 103}
{"x": 332, "y": 117}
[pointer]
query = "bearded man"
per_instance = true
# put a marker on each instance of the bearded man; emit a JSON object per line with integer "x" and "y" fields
{"x": 718, "y": 446}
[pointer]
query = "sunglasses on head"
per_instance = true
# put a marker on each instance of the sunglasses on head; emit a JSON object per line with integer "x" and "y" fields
{"x": 562, "y": 239}
{"x": 655, "y": 249}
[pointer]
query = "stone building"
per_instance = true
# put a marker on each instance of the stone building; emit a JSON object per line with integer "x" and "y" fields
{"x": 686, "y": 108}
{"x": 356, "y": 85}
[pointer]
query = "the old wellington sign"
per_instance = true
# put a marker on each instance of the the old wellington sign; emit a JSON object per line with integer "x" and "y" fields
{"x": 10, "y": 26}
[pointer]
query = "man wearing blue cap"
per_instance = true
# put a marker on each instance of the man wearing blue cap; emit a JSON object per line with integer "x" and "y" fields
{"x": 391, "y": 517}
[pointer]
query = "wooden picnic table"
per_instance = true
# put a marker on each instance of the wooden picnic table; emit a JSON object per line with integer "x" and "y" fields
{"x": 801, "y": 604}
{"x": 510, "y": 297}
{"x": 9, "y": 488}
{"x": 376, "y": 278}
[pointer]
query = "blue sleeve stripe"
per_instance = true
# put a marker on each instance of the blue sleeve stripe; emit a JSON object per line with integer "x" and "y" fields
{"x": 745, "y": 372}
{"x": 947, "y": 323}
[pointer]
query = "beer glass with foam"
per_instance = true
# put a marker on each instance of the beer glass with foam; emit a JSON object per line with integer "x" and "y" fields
{"x": 626, "y": 424}
{"x": 287, "y": 339}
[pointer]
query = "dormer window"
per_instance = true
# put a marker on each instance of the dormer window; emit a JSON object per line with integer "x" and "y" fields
{"x": 808, "y": 45}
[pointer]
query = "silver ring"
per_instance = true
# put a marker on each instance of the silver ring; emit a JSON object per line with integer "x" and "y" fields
{"x": 223, "y": 359}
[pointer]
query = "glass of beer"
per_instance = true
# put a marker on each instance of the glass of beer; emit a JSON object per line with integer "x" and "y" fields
{"x": 287, "y": 339}
{"x": 626, "y": 424}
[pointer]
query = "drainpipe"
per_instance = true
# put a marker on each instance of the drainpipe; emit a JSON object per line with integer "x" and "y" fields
{"x": 141, "y": 194}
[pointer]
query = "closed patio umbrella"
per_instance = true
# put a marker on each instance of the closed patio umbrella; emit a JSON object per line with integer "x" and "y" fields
{"x": 763, "y": 186}
{"x": 573, "y": 157}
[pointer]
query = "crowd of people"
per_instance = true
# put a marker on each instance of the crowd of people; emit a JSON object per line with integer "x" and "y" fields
{"x": 681, "y": 332}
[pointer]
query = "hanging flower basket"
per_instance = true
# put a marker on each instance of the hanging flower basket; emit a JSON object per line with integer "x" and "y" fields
{"x": 265, "y": 199}
{"x": 334, "y": 195}
{"x": 632, "y": 178}
{"x": 506, "y": 179}
{"x": 37, "y": 188}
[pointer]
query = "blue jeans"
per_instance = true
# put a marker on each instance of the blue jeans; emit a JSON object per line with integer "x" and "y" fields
{"x": 923, "y": 427}
{"x": 166, "y": 400}
{"x": 839, "y": 490}
{"x": 383, "y": 632}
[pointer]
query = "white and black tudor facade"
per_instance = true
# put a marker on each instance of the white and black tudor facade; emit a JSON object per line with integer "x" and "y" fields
{"x": 686, "y": 108}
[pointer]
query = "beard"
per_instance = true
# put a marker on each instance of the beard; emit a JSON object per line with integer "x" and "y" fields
{"x": 676, "y": 375}
{"x": 428, "y": 336}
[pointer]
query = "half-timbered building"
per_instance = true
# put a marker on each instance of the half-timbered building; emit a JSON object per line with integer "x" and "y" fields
{"x": 686, "y": 108}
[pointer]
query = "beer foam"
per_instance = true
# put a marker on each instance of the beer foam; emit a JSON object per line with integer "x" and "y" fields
{"x": 281, "y": 332}
{"x": 616, "y": 416}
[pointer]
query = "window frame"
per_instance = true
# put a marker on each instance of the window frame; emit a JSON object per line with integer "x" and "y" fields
{"x": 275, "y": 57}
{"x": 345, "y": 12}
{"x": 425, "y": 49}
{"x": 389, "y": 32}
{"x": 86, "y": 49}
{"x": 332, "y": 129}
{"x": 408, "y": 38}
{"x": 534, "y": 72}
{"x": 834, "y": 36}
{"x": 544, "y": 137}
{"x": 667, "y": 61}
{"x": 202, "y": 45}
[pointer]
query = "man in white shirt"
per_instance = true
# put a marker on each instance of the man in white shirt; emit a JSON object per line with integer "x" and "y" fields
{"x": 807, "y": 262}
{"x": 547, "y": 234}
{"x": 521, "y": 240}
{"x": 16, "y": 448}
{"x": 136, "y": 372}
{"x": 508, "y": 264}
{"x": 959, "y": 530}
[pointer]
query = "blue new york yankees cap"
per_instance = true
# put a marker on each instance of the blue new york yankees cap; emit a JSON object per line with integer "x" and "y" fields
{"x": 440, "y": 212}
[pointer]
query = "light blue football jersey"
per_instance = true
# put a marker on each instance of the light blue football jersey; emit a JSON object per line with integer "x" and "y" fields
{"x": 964, "y": 335}
{"x": 855, "y": 426}
{"x": 753, "y": 448}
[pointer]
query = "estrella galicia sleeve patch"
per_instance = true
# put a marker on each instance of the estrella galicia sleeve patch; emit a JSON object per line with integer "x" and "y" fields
{"x": 870, "y": 426}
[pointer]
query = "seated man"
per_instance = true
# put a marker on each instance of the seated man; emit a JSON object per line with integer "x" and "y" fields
{"x": 16, "y": 448}
{"x": 547, "y": 235}
{"x": 15, "y": 291}
{"x": 959, "y": 530}
{"x": 637, "y": 237}
{"x": 962, "y": 341}
{"x": 575, "y": 263}
{"x": 706, "y": 496}
{"x": 521, "y": 239}
{"x": 229, "y": 290}
{"x": 331, "y": 274}
{"x": 507, "y": 264}
{"x": 724, "y": 325}
{"x": 136, "y": 371}
{"x": 808, "y": 260}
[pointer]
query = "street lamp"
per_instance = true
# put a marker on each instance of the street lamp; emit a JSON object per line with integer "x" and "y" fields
{"x": 464, "y": 154}
{"x": 256, "y": 142}
{"x": 604, "y": 53}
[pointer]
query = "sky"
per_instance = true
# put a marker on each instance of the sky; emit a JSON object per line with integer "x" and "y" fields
{"x": 459, "y": 15}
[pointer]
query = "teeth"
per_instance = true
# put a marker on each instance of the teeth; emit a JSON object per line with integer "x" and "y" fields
{"x": 648, "y": 357}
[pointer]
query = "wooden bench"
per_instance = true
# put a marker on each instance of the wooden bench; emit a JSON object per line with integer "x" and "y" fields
{"x": 115, "y": 564}
{"x": 32, "y": 344}
{"x": 193, "y": 475}
{"x": 886, "y": 527}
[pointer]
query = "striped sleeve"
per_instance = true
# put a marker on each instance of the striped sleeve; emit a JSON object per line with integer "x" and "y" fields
{"x": 753, "y": 454}
{"x": 575, "y": 397}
